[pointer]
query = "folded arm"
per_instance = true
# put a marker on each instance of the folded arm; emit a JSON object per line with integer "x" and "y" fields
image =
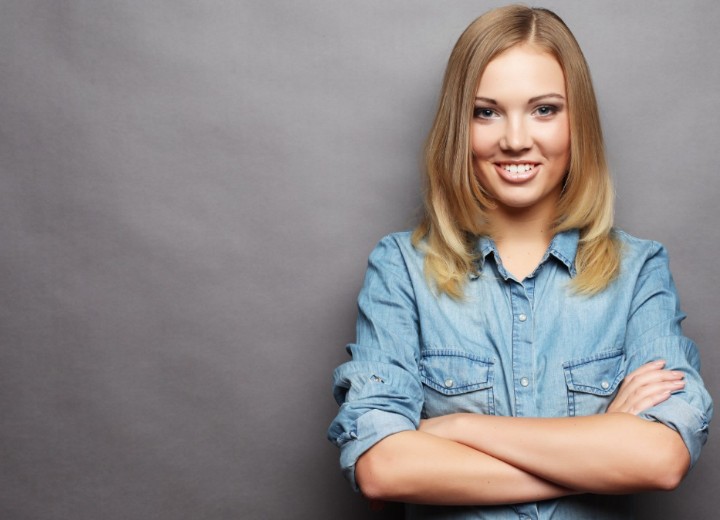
{"x": 612, "y": 453}
{"x": 416, "y": 467}
{"x": 485, "y": 460}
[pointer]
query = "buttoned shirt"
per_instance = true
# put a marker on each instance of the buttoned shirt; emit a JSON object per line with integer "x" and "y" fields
{"x": 530, "y": 348}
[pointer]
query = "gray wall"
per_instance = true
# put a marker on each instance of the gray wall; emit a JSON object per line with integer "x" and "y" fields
{"x": 189, "y": 192}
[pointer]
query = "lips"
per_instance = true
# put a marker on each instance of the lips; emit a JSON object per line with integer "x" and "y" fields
{"x": 516, "y": 172}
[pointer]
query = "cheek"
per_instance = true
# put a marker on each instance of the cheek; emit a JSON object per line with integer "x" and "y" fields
{"x": 557, "y": 140}
{"x": 481, "y": 141}
{"x": 482, "y": 167}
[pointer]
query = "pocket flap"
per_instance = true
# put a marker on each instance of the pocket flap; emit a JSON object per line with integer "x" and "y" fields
{"x": 599, "y": 374}
{"x": 453, "y": 372}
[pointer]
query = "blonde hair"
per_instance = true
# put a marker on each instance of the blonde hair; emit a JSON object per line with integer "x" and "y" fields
{"x": 456, "y": 205}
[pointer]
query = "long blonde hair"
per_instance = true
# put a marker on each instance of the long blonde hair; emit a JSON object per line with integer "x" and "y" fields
{"x": 455, "y": 204}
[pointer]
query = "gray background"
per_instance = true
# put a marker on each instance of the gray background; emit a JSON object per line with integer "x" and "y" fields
{"x": 189, "y": 194}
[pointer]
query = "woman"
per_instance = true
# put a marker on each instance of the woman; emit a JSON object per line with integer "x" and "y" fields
{"x": 516, "y": 355}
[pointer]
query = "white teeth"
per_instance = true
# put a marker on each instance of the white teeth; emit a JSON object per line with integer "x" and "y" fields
{"x": 518, "y": 168}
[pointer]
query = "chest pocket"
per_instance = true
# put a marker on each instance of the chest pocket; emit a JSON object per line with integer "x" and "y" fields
{"x": 592, "y": 382}
{"x": 455, "y": 381}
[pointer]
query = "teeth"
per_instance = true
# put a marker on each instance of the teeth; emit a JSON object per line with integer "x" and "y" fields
{"x": 518, "y": 168}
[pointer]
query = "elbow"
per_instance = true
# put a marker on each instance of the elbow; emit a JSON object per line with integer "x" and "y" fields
{"x": 672, "y": 469}
{"x": 669, "y": 482}
{"x": 671, "y": 478}
{"x": 370, "y": 477}
{"x": 380, "y": 472}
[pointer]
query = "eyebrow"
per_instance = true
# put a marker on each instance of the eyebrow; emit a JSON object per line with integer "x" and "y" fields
{"x": 530, "y": 101}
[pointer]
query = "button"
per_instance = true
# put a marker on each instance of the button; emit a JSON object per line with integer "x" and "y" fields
{"x": 524, "y": 381}
{"x": 605, "y": 385}
{"x": 522, "y": 317}
{"x": 449, "y": 383}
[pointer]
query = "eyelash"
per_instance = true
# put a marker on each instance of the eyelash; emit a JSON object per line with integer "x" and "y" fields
{"x": 478, "y": 113}
{"x": 489, "y": 113}
{"x": 552, "y": 110}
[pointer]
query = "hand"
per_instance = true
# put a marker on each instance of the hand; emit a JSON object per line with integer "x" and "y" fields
{"x": 645, "y": 387}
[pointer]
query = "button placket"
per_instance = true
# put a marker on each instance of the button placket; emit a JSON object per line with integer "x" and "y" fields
{"x": 522, "y": 347}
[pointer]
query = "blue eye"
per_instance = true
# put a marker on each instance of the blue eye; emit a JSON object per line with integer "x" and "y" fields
{"x": 546, "y": 110}
{"x": 483, "y": 113}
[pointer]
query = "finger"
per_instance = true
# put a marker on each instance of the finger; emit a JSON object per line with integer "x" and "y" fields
{"x": 648, "y": 396}
{"x": 650, "y": 401}
{"x": 630, "y": 394}
{"x": 654, "y": 388}
{"x": 645, "y": 404}
{"x": 654, "y": 376}
{"x": 647, "y": 367}
{"x": 641, "y": 391}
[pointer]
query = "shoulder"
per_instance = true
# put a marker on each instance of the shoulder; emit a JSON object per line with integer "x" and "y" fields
{"x": 399, "y": 240}
{"x": 639, "y": 255}
{"x": 396, "y": 254}
{"x": 396, "y": 248}
{"x": 632, "y": 243}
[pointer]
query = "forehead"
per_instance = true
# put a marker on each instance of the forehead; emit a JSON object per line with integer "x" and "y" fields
{"x": 522, "y": 70}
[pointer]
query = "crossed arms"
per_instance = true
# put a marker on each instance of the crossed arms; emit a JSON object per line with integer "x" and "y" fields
{"x": 464, "y": 459}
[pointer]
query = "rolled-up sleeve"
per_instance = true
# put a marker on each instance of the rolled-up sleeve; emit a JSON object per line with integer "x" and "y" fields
{"x": 379, "y": 390}
{"x": 654, "y": 332}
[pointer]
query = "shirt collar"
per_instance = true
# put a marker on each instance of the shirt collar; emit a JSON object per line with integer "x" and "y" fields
{"x": 563, "y": 247}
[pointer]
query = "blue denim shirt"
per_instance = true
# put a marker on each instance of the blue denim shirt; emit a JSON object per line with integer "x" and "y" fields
{"x": 525, "y": 349}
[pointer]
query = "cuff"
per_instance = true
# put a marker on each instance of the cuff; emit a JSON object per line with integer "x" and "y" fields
{"x": 371, "y": 427}
{"x": 688, "y": 421}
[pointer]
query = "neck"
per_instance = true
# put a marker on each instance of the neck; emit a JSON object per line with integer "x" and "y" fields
{"x": 529, "y": 227}
{"x": 522, "y": 237}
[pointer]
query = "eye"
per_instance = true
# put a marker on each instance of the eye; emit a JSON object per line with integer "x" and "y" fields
{"x": 484, "y": 113}
{"x": 546, "y": 110}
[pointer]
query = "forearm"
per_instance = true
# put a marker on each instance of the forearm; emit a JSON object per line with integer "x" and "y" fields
{"x": 610, "y": 453}
{"x": 416, "y": 467}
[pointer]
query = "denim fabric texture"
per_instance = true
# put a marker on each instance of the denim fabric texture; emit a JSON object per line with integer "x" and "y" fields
{"x": 525, "y": 349}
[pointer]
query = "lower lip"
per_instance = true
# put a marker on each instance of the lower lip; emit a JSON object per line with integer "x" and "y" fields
{"x": 516, "y": 178}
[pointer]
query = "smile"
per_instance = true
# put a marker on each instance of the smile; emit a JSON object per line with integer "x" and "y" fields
{"x": 517, "y": 173}
{"x": 518, "y": 168}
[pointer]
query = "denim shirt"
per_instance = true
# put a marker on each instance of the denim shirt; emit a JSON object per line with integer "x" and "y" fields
{"x": 525, "y": 349}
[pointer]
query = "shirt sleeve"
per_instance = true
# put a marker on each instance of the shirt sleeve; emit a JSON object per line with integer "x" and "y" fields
{"x": 654, "y": 332}
{"x": 379, "y": 390}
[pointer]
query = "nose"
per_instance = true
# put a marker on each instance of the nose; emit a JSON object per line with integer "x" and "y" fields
{"x": 516, "y": 137}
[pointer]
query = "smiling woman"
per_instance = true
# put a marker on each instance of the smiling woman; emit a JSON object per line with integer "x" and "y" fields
{"x": 517, "y": 355}
{"x": 520, "y": 138}
{"x": 521, "y": 142}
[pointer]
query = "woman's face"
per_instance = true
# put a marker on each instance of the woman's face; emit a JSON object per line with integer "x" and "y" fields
{"x": 520, "y": 132}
